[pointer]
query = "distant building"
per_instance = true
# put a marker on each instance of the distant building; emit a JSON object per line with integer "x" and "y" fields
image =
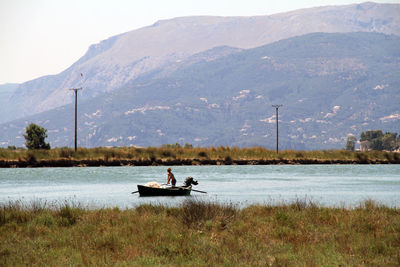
{"x": 364, "y": 146}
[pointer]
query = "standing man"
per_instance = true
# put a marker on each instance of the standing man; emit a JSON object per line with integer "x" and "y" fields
{"x": 171, "y": 177}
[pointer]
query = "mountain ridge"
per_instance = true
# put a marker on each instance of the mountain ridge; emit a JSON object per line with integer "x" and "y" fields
{"x": 331, "y": 85}
{"x": 125, "y": 57}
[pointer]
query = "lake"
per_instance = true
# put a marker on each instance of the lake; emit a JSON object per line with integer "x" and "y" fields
{"x": 94, "y": 187}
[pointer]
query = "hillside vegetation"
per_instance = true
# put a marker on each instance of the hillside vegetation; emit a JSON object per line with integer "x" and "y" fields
{"x": 330, "y": 84}
{"x": 122, "y": 58}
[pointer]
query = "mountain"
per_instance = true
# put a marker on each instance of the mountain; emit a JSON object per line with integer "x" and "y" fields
{"x": 6, "y": 92}
{"x": 330, "y": 85}
{"x": 115, "y": 62}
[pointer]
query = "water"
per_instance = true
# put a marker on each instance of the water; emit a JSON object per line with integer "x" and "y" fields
{"x": 327, "y": 185}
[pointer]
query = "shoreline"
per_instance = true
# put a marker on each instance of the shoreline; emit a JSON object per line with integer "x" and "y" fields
{"x": 184, "y": 162}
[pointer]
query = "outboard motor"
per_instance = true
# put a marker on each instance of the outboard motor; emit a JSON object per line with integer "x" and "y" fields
{"x": 189, "y": 181}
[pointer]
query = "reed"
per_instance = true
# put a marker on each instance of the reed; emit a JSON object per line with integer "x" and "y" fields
{"x": 200, "y": 233}
{"x": 195, "y": 153}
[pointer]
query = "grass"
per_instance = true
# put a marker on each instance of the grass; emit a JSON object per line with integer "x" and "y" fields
{"x": 224, "y": 154}
{"x": 200, "y": 233}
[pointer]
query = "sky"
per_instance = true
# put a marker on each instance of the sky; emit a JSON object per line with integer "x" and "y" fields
{"x": 44, "y": 37}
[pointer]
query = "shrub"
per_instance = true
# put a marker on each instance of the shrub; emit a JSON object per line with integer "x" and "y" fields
{"x": 69, "y": 215}
{"x": 228, "y": 160}
{"x": 196, "y": 212}
{"x": 167, "y": 153}
{"x": 31, "y": 157}
{"x": 188, "y": 146}
{"x": 299, "y": 154}
{"x": 362, "y": 157}
{"x": 66, "y": 152}
{"x": 202, "y": 154}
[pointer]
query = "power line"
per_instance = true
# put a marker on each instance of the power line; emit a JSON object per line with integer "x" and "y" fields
{"x": 277, "y": 127}
{"x": 76, "y": 112}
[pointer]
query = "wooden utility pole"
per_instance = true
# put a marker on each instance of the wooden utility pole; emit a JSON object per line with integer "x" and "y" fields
{"x": 277, "y": 127}
{"x": 76, "y": 116}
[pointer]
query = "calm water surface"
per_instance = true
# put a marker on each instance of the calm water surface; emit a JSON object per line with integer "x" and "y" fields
{"x": 328, "y": 185}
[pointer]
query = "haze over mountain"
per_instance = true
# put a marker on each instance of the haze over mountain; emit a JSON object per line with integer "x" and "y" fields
{"x": 121, "y": 59}
{"x": 330, "y": 85}
{"x": 6, "y": 92}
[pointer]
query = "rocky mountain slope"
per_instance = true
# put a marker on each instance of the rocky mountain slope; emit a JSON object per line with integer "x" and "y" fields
{"x": 7, "y": 107}
{"x": 115, "y": 62}
{"x": 330, "y": 85}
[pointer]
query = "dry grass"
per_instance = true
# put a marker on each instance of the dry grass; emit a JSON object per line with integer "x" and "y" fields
{"x": 198, "y": 153}
{"x": 200, "y": 234}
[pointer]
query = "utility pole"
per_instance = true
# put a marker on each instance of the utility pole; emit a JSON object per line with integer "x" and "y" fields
{"x": 277, "y": 128}
{"x": 76, "y": 112}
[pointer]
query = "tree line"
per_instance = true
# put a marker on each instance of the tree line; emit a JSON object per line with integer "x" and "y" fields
{"x": 375, "y": 140}
{"x": 371, "y": 140}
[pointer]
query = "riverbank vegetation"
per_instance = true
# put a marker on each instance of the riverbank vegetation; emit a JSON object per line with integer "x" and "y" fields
{"x": 377, "y": 140}
{"x": 200, "y": 233}
{"x": 188, "y": 155}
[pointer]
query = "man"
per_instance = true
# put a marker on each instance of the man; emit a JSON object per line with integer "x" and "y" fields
{"x": 171, "y": 177}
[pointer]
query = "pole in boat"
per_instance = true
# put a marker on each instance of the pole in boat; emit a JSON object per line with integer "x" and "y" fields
{"x": 76, "y": 112}
{"x": 199, "y": 191}
{"x": 277, "y": 127}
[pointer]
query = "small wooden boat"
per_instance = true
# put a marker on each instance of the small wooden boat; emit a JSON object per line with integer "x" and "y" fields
{"x": 147, "y": 191}
{"x": 152, "y": 189}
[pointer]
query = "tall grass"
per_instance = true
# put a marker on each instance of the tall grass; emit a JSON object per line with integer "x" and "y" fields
{"x": 200, "y": 233}
{"x": 189, "y": 153}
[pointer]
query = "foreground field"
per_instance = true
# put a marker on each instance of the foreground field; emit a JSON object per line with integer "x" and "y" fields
{"x": 67, "y": 157}
{"x": 200, "y": 234}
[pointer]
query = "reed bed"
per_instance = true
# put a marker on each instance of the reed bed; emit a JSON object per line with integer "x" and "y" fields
{"x": 194, "y": 153}
{"x": 200, "y": 233}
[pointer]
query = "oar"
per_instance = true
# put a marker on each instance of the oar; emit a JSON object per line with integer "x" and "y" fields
{"x": 199, "y": 191}
{"x": 134, "y": 192}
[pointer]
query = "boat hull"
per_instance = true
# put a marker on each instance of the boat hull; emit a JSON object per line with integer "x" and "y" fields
{"x": 145, "y": 191}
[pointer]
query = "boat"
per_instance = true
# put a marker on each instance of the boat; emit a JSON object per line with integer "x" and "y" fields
{"x": 148, "y": 191}
{"x": 152, "y": 189}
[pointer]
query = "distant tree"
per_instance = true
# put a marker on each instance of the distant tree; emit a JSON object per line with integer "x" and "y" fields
{"x": 398, "y": 142}
{"x": 176, "y": 145}
{"x": 363, "y": 137}
{"x": 370, "y": 135}
{"x": 35, "y": 137}
{"x": 187, "y": 145}
{"x": 376, "y": 144}
{"x": 379, "y": 141}
{"x": 389, "y": 141}
{"x": 351, "y": 143}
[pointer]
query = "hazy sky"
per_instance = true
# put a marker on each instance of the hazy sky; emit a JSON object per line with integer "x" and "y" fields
{"x": 42, "y": 37}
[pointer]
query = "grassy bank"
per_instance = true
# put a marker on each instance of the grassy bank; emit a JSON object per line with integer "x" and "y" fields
{"x": 185, "y": 156}
{"x": 200, "y": 234}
